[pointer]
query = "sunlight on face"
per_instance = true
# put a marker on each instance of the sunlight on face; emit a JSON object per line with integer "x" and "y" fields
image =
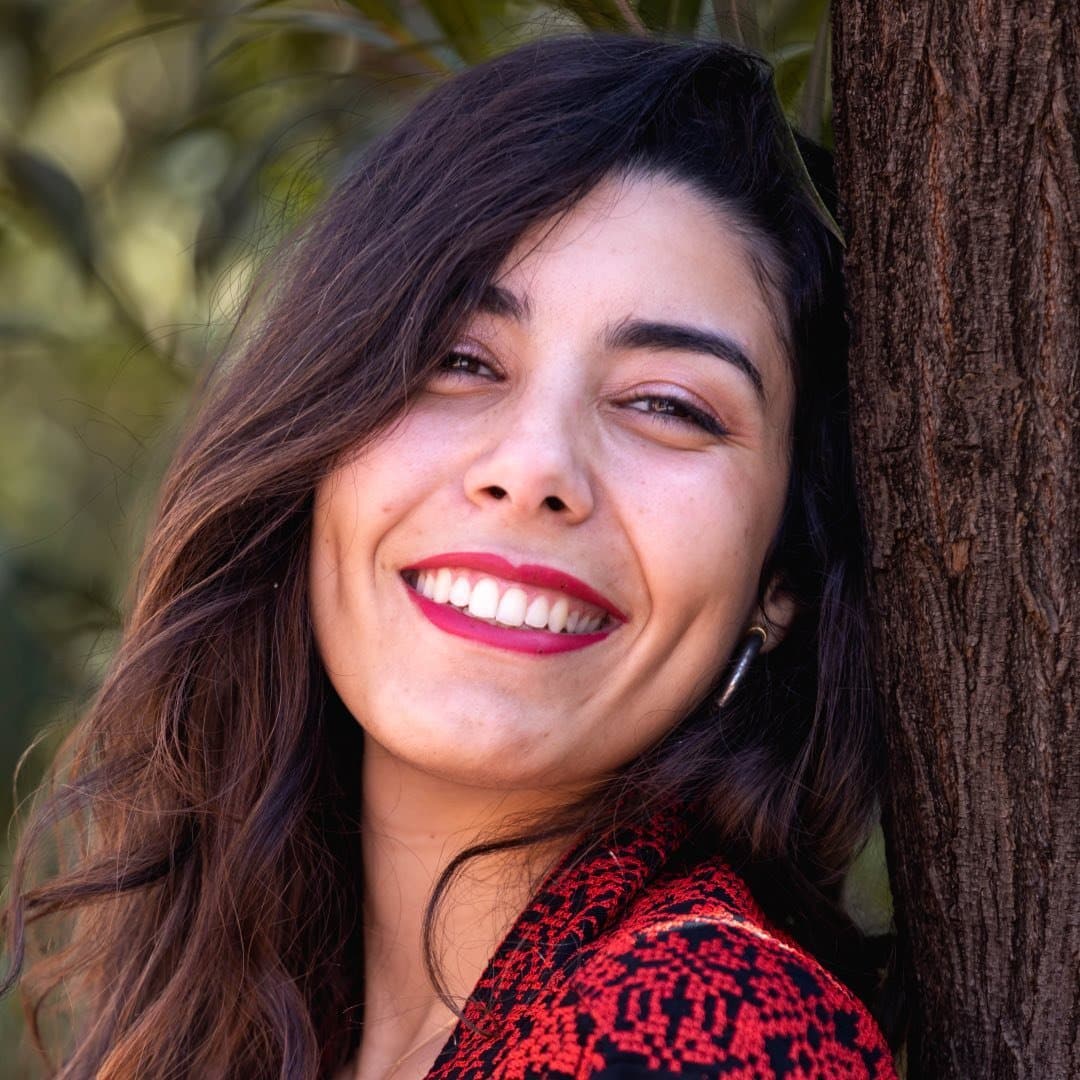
{"x": 619, "y": 412}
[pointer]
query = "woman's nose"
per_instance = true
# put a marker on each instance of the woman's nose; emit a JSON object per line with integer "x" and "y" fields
{"x": 532, "y": 464}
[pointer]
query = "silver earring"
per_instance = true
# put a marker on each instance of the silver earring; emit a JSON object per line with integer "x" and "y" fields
{"x": 756, "y": 636}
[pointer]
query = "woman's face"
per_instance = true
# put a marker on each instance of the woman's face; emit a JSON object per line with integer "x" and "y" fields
{"x": 605, "y": 451}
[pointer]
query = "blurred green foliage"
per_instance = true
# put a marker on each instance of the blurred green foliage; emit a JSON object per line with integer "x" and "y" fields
{"x": 150, "y": 155}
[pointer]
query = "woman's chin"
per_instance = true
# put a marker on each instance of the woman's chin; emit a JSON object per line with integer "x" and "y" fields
{"x": 496, "y": 757}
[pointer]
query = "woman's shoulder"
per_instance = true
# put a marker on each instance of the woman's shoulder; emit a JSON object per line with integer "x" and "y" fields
{"x": 692, "y": 980}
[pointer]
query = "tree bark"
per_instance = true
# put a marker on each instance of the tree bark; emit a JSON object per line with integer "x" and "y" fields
{"x": 956, "y": 130}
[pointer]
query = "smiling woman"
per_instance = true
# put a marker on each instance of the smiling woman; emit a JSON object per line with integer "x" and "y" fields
{"x": 495, "y": 688}
{"x": 562, "y": 437}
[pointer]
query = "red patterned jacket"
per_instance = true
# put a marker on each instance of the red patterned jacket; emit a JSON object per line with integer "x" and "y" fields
{"x": 633, "y": 961}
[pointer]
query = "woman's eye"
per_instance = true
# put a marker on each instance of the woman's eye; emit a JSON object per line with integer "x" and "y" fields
{"x": 673, "y": 410}
{"x": 461, "y": 363}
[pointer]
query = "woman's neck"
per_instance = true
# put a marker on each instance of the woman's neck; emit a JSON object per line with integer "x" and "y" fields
{"x": 414, "y": 824}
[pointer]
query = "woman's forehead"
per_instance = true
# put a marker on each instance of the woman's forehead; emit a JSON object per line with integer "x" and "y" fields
{"x": 643, "y": 248}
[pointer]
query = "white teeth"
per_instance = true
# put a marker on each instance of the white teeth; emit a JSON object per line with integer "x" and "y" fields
{"x": 487, "y": 600}
{"x": 444, "y": 580}
{"x": 460, "y": 592}
{"x": 484, "y": 600}
{"x": 557, "y": 618}
{"x": 511, "y": 610}
{"x": 537, "y": 614}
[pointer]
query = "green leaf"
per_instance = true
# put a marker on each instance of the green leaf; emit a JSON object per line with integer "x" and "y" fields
{"x": 670, "y": 15}
{"x": 796, "y": 52}
{"x": 324, "y": 22}
{"x": 141, "y": 33}
{"x": 239, "y": 193}
{"x": 597, "y": 14}
{"x": 737, "y": 20}
{"x": 393, "y": 21}
{"x": 792, "y": 20}
{"x": 812, "y": 101}
{"x": 15, "y": 326}
{"x": 387, "y": 15}
{"x": 46, "y": 187}
{"x": 470, "y": 26}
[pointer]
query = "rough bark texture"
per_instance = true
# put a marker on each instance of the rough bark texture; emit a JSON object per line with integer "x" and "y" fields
{"x": 957, "y": 137}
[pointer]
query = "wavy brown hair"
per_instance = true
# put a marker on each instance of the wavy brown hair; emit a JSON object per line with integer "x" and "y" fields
{"x": 185, "y": 899}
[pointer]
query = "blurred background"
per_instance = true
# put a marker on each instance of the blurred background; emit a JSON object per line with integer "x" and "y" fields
{"x": 150, "y": 156}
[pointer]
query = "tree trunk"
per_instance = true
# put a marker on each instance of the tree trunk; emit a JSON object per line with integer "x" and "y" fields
{"x": 957, "y": 136}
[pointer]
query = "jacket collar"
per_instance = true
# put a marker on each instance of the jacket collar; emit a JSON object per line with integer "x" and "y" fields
{"x": 588, "y": 890}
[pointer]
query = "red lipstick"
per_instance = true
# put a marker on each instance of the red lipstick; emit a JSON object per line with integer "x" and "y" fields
{"x": 515, "y": 639}
{"x": 543, "y": 577}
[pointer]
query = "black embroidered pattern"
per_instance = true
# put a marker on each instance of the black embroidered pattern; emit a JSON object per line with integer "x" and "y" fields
{"x": 627, "y": 964}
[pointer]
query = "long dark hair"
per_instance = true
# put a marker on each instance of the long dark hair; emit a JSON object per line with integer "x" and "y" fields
{"x": 206, "y": 808}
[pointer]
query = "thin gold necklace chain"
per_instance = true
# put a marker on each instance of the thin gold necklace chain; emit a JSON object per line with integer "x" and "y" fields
{"x": 419, "y": 1046}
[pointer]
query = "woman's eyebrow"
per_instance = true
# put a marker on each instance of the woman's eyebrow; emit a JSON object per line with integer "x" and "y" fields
{"x": 498, "y": 300}
{"x": 648, "y": 334}
{"x": 642, "y": 334}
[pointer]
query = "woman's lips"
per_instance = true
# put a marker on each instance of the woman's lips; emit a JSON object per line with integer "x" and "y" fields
{"x": 545, "y": 577}
{"x": 538, "y": 642}
{"x": 552, "y": 593}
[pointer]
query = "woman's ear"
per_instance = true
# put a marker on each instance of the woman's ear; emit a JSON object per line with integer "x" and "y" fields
{"x": 780, "y": 610}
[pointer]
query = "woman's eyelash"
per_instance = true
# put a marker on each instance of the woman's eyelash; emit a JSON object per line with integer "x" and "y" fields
{"x": 666, "y": 409}
{"x": 462, "y": 363}
{"x": 673, "y": 410}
